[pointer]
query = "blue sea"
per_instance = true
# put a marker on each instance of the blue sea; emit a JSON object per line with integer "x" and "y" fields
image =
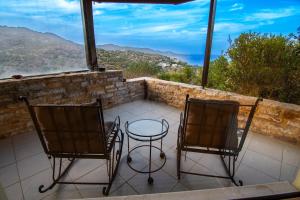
{"x": 196, "y": 59}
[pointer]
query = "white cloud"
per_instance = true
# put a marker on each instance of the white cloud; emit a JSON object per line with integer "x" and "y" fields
{"x": 236, "y": 27}
{"x": 161, "y": 28}
{"x": 42, "y": 6}
{"x": 237, "y": 6}
{"x": 110, "y": 6}
{"x": 66, "y": 5}
{"x": 268, "y": 14}
{"x": 233, "y": 27}
{"x": 97, "y": 12}
{"x": 150, "y": 29}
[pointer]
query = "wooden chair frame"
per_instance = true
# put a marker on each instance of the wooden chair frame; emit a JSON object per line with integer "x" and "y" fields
{"x": 230, "y": 154}
{"x": 111, "y": 155}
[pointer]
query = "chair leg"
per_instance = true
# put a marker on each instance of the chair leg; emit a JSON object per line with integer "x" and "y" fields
{"x": 230, "y": 169}
{"x": 106, "y": 190}
{"x": 178, "y": 162}
{"x": 59, "y": 176}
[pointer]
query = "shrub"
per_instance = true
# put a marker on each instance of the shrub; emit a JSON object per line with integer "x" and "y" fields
{"x": 140, "y": 69}
{"x": 260, "y": 65}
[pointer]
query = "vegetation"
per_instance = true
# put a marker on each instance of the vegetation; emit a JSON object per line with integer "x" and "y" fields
{"x": 140, "y": 69}
{"x": 186, "y": 74}
{"x": 260, "y": 65}
{"x": 116, "y": 59}
{"x": 254, "y": 64}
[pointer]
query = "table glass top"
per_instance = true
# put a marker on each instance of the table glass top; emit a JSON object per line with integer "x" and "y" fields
{"x": 147, "y": 127}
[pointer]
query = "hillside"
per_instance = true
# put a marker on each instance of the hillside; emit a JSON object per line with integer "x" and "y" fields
{"x": 24, "y": 51}
{"x": 121, "y": 59}
{"x": 113, "y": 47}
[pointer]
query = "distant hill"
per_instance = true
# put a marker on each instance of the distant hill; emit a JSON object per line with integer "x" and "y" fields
{"x": 113, "y": 47}
{"x": 192, "y": 59}
{"x": 121, "y": 59}
{"x": 24, "y": 51}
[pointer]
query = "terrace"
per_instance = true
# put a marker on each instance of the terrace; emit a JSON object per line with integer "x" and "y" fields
{"x": 270, "y": 154}
{"x": 267, "y": 164}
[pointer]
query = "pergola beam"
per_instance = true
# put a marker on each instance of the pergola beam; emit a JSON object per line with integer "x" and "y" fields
{"x": 89, "y": 36}
{"x": 175, "y": 2}
{"x": 209, "y": 37}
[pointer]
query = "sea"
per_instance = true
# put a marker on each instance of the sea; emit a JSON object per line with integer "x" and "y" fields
{"x": 196, "y": 59}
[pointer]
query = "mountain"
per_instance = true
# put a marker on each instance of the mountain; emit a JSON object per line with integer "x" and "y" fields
{"x": 24, "y": 51}
{"x": 113, "y": 47}
{"x": 192, "y": 59}
{"x": 121, "y": 59}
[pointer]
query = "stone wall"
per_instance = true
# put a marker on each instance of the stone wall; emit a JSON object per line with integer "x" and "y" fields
{"x": 62, "y": 88}
{"x": 280, "y": 120}
{"x": 275, "y": 119}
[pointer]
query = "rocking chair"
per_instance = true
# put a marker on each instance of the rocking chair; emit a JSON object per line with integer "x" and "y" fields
{"x": 77, "y": 132}
{"x": 212, "y": 126}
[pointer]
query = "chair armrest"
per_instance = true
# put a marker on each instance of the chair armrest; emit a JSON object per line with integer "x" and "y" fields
{"x": 112, "y": 135}
{"x": 240, "y": 132}
{"x": 181, "y": 119}
{"x": 116, "y": 125}
{"x": 117, "y": 122}
{"x": 180, "y": 129}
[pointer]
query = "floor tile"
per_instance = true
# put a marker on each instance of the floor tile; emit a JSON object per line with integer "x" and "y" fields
{"x": 124, "y": 190}
{"x": 171, "y": 163}
{"x": 138, "y": 110}
{"x": 25, "y": 139}
{"x": 171, "y": 118}
{"x": 31, "y": 185}
{"x": 173, "y": 128}
{"x": 14, "y": 192}
{"x": 214, "y": 163}
{"x": 62, "y": 193}
{"x": 288, "y": 172}
{"x": 6, "y": 152}
{"x": 97, "y": 175}
{"x": 262, "y": 160}
{"x": 9, "y": 175}
{"x": 162, "y": 183}
{"x": 266, "y": 146}
{"x": 262, "y": 163}
{"x": 248, "y": 139}
{"x": 196, "y": 157}
{"x": 251, "y": 176}
{"x": 291, "y": 155}
{"x": 195, "y": 182}
{"x": 138, "y": 162}
{"x": 170, "y": 140}
{"x": 28, "y": 149}
{"x": 179, "y": 187}
{"x": 81, "y": 167}
{"x": 32, "y": 165}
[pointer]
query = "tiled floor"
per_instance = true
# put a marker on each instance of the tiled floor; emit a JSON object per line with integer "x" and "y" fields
{"x": 24, "y": 166}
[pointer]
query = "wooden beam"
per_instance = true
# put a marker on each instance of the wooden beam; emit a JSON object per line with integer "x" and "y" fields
{"x": 175, "y": 2}
{"x": 89, "y": 36}
{"x": 209, "y": 37}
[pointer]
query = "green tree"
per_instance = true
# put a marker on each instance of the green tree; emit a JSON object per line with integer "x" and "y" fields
{"x": 219, "y": 74}
{"x": 186, "y": 74}
{"x": 262, "y": 65}
{"x": 139, "y": 69}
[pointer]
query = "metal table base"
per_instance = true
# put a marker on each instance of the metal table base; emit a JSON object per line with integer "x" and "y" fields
{"x": 141, "y": 136}
{"x": 162, "y": 155}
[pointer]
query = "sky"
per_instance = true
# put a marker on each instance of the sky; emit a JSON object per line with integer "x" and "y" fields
{"x": 177, "y": 28}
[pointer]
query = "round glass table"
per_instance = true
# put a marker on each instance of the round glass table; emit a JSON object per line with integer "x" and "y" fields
{"x": 148, "y": 131}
